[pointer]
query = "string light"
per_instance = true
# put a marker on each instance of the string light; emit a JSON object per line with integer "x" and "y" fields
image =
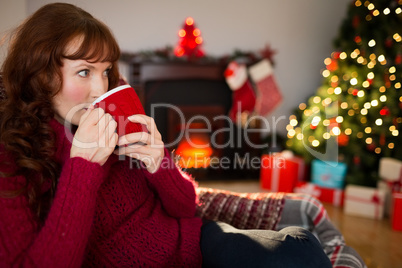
{"x": 372, "y": 43}
{"x": 353, "y": 81}
{"x": 348, "y": 131}
{"x": 344, "y": 105}
{"x": 302, "y": 106}
{"x": 316, "y": 120}
{"x": 378, "y": 122}
{"x": 343, "y": 56}
{"x": 336, "y": 131}
{"x": 397, "y": 37}
{"x": 300, "y": 136}
{"x": 339, "y": 119}
{"x": 315, "y": 143}
{"x": 293, "y": 122}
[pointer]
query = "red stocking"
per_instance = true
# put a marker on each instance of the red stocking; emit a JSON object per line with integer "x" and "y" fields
{"x": 269, "y": 95}
{"x": 243, "y": 92}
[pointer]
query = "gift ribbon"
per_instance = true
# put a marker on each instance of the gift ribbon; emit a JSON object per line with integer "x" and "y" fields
{"x": 337, "y": 199}
{"x": 374, "y": 199}
{"x": 275, "y": 175}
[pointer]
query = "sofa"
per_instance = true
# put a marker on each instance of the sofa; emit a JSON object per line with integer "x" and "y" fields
{"x": 274, "y": 211}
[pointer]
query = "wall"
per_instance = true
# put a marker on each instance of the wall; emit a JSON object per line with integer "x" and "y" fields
{"x": 11, "y": 14}
{"x": 301, "y": 31}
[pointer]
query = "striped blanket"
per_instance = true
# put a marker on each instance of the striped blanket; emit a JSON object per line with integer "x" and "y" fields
{"x": 274, "y": 211}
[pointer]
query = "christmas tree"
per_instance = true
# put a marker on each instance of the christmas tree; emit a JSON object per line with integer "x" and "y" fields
{"x": 357, "y": 111}
{"x": 190, "y": 41}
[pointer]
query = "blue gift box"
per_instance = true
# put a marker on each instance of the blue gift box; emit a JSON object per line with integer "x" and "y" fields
{"x": 328, "y": 174}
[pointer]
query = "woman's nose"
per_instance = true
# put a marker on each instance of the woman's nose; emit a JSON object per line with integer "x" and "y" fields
{"x": 98, "y": 88}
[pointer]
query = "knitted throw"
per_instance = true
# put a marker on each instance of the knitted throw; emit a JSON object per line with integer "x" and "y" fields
{"x": 241, "y": 210}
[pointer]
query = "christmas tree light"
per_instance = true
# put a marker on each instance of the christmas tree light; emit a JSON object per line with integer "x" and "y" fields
{"x": 361, "y": 82}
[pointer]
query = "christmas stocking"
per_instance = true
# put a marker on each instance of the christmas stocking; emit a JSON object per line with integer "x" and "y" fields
{"x": 268, "y": 93}
{"x": 243, "y": 92}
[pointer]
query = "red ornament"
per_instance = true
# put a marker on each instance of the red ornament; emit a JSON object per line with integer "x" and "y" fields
{"x": 398, "y": 59}
{"x": 385, "y": 111}
{"x": 356, "y": 21}
{"x": 357, "y": 39}
{"x": 356, "y": 160}
{"x": 336, "y": 55}
{"x": 333, "y": 66}
{"x": 382, "y": 139}
{"x": 355, "y": 91}
{"x": 389, "y": 42}
{"x": 371, "y": 147}
{"x": 190, "y": 41}
{"x": 343, "y": 139}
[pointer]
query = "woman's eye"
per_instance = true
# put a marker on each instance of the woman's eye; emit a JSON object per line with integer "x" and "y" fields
{"x": 106, "y": 72}
{"x": 83, "y": 73}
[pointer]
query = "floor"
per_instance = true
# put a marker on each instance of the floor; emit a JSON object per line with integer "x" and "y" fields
{"x": 374, "y": 240}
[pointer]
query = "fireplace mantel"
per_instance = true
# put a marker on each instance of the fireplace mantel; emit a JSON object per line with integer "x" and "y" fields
{"x": 143, "y": 72}
{"x": 196, "y": 88}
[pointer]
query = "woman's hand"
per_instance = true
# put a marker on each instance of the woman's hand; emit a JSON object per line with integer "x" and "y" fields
{"x": 96, "y": 137}
{"x": 147, "y": 147}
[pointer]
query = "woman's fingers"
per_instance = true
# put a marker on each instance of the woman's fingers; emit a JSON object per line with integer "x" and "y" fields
{"x": 148, "y": 121}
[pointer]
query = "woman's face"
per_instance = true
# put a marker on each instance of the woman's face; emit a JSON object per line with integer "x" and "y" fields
{"x": 83, "y": 82}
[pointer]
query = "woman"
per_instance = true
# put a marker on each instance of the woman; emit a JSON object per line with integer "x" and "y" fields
{"x": 63, "y": 204}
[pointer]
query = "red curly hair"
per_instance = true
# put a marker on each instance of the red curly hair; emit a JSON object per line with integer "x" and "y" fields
{"x": 32, "y": 77}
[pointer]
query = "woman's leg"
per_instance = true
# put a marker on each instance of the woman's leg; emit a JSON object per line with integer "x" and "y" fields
{"x": 293, "y": 247}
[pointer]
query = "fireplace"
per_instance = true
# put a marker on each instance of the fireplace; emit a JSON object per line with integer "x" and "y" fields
{"x": 193, "y": 98}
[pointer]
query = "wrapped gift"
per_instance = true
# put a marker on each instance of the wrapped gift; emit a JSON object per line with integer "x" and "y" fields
{"x": 328, "y": 174}
{"x": 364, "y": 201}
{"x": 396, "y": 216}
{"x": 279, "y": 172}
{"x": 390, "y": 171}
{"x": 333, "y": 196}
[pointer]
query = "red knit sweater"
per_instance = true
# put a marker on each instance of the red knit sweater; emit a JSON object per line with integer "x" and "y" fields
{"x": 110, "y": 216}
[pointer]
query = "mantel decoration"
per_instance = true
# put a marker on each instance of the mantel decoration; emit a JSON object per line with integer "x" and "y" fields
{"x": 190, "y": 41}
{"x": 167, "y": 54}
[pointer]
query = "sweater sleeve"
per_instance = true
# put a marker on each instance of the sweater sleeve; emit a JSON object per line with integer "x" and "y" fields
{"x": 174, "y": 187}
{"x": 62, "y": 240}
